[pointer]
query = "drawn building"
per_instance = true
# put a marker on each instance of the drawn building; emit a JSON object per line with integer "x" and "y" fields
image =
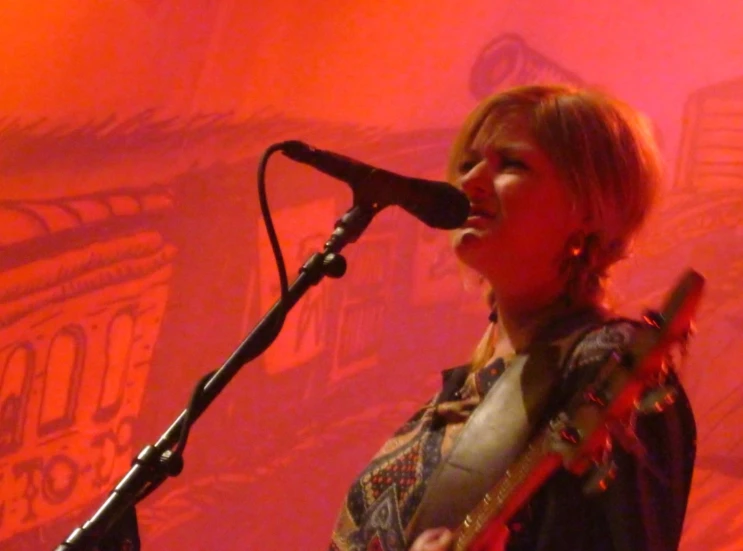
{"x": 83, "y": 285}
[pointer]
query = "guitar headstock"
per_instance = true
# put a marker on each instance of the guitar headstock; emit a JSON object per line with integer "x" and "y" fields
{"x": 631, "y": 380}
{"x": 672, "y": 325}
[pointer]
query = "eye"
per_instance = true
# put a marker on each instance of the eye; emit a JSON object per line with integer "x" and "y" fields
{"x": 509, "y": 162}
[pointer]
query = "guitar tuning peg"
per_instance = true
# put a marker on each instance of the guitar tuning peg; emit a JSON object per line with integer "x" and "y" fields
{"x": 596, "y": 395}
{"x": 570, "y": 435}
{"x": 603, "y": 471}
{"x": 600, "y": 477}
{"x": 656, "y": 399}
{"x": 563, "y": 431}
{"x": 653, "y": 318}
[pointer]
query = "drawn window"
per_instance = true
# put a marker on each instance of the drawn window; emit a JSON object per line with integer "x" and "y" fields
{"x": 15, "y": 384}
{"x": 62, "y": 380}
{"x": 119, "y": 343}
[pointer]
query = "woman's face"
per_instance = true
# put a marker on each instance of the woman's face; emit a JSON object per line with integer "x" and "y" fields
{"x": 521, "y": 214}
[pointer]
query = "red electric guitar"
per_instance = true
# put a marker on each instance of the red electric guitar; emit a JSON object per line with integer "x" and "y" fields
{"x": 576, "y": 438}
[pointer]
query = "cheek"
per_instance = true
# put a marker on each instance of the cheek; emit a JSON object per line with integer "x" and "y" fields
{"x": 538, "y": 216}
{"x": 545, "y": 199}
{"x": 563, "y": 214}
{"x": 512, "y": 196}
{"x": 519, "y": 202}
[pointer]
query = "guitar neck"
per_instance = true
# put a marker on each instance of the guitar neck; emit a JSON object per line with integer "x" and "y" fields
{"x": 486, "y": 523}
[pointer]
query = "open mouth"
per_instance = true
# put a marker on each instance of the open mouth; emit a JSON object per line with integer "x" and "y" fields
{"x": 480, "y": 212}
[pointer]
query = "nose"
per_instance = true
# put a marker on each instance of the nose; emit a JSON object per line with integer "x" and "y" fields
{"x": 478, "y": 182}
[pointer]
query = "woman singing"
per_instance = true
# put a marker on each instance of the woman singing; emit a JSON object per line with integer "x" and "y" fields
{"x": 560, "y": 180}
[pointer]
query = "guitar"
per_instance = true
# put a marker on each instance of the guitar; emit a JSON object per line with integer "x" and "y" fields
{"x": 576, "y": 439}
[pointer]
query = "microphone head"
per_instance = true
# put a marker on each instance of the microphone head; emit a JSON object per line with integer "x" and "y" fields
{"x": 437, "y": 204}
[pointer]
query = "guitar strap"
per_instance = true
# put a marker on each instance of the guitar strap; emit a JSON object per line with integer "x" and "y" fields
{"x": 494, "y": 435}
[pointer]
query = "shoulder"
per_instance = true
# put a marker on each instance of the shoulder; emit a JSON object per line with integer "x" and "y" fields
{"x": 594, "y": 348}
{"x": 598, "y": 342}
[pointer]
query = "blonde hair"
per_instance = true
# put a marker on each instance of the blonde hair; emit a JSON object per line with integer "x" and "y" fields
{"x": 603, "y": 150}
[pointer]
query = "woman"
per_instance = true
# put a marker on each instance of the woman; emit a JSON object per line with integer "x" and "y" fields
{"x": 559, "y": 180}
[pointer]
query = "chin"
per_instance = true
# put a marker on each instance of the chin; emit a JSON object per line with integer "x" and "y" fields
{"x": 473, "y": 251}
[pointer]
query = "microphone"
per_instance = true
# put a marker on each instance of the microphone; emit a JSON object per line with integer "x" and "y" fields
{"x": 436, "y": 204}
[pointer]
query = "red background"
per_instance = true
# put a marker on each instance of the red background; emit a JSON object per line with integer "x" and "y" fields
{"x": 133, "y": 259}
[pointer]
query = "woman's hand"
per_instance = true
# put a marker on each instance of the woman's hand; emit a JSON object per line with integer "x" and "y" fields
{"x": 433, "y": 539}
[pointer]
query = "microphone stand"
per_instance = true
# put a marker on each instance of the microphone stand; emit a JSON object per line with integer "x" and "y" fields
{"x": 155, "y": 464}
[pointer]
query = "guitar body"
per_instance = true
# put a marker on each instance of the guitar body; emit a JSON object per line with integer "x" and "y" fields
{"x": 493, "y": 538}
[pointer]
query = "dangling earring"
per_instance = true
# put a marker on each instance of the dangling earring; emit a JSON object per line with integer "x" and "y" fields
{"x": 572, "y": 253}
{"x": 576, "y": 245}
{"x": 574, "y": 265}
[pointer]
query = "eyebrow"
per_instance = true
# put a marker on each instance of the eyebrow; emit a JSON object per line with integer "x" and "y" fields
{"x": 511, "y": 148}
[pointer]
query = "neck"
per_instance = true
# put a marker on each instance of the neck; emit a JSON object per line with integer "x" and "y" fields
{"x": 520, "y": 322}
